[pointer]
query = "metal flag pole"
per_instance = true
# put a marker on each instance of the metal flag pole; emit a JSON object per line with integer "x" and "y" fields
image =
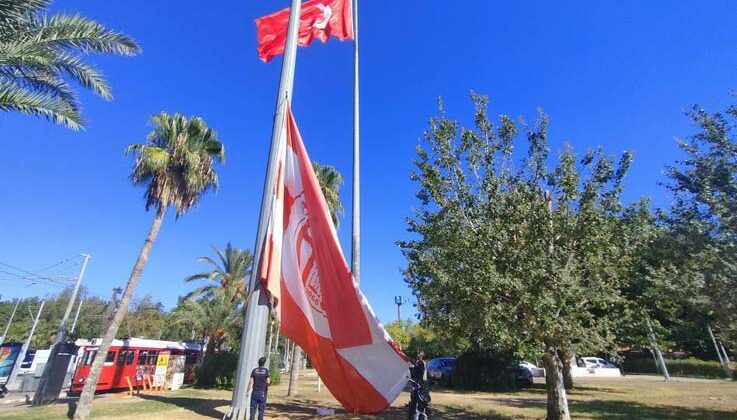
{"x": 356, "y": 236}
{"x": 257, "y": 315}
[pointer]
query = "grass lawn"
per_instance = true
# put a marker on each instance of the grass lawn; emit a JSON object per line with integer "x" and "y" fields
{"x": 632, "y": 397}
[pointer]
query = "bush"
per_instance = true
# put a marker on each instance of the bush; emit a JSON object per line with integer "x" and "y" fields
{"x": 676, "y": 367}
{"x": 485, "y": 370}
{"x": 217, "y": 371}
{"x": 274, "y": 371}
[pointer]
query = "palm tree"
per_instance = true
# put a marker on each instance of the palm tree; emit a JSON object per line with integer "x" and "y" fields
{"x": 212, "y": 318}
{"x": 229, "y": 273}
{"x": 176, "y": 167}
{"x": 39, "y": 55}
{"x": 330, "y": 183}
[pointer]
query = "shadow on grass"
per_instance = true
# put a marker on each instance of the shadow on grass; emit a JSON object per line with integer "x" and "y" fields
{"x": 202, "y": 406}
{"x": 618, "y": 410}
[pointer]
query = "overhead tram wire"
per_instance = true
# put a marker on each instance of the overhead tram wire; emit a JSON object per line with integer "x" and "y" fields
{"x": 39, "y": 280}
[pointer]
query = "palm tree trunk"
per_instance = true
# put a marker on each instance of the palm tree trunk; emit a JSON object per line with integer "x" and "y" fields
{"x": 294, "y": 375}
{"x": 84, "y": 407}
{"x": 557, "y": 398}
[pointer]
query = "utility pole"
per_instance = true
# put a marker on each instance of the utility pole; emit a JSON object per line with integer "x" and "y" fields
{"x": 658, "y": 353}
{"x": 724, "y": 364}
{"x": 257, "y": 315}
{"x": 76, "y": 315}
{"x": 24, "y": 349}
{"x": 10, "y": 321}
{"x": 399, "y": 301}
{"x": 61, "y": 332}
{"x": 726, "y": 356}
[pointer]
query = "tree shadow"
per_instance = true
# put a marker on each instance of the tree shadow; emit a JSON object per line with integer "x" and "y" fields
{"x": 202, "y": 406}
{"x": 619, "y": 410}
{"x": 302, "y": 409}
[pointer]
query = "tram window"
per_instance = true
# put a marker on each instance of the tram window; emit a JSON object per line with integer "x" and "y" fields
{"x": 129, "y": 357}
{"x": 121, "y": 357}
{"x": 191, "y": 358}
{"x": 89, "y": 357}
{"x": 110, "y": 357}
{"x": 142, "y": 357}
{"x": 152, "y": 355}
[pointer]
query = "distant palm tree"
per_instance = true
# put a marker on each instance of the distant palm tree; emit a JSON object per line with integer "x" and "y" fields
{"x": 212, "y": 318}
{"x": 176, "y": 167}
{"x": 40, "y": 54}
{"x": 330, "y": 183}
{"x": 229, "y": 273}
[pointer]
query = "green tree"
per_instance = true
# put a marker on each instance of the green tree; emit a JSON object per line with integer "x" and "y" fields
{"x": 515, "y": 255}
{"x": 145, "y": 319}
{"x": 330, "y": 183}
{"x": 229, "y": 272}
{"x": 212, "y": 318}
{"x": 40, "y": 55}
{"x": 176, "y": 166}
{"x": 702, "y": 221}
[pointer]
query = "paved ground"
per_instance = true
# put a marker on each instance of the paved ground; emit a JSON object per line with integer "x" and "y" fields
{"x": 631, "y": 397}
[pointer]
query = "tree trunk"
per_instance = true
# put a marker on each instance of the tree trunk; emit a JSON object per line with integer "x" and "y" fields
{"x": 294, "y": 375}
{"x": 565, "y": 358}
{"x": 84, "y": 407}
{"x": 557, "y": 399}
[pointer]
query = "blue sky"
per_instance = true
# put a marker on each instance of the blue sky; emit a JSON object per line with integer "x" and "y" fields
{"x": 613, "y": 73}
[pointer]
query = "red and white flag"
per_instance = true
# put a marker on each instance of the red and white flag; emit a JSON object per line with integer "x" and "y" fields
{"x": 319, "y": 19}
{"x": 316, "y": 299}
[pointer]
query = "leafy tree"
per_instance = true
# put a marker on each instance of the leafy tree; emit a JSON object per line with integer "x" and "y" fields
{"x": 228, "y": 272}
{"x": 515, "y": 255}
{"x": 176, "y": 165}
{"x": 40, "y": 55}
{"x": 145, "y": 319}
{"x": 330, "y": 183}
{"x": 702, "y": 222}
{"x": 401, "y": 333}
{"x": 212, "y": 318}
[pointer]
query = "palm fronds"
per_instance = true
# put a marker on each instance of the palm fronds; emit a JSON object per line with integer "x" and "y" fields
{"x": 40, "y": 55}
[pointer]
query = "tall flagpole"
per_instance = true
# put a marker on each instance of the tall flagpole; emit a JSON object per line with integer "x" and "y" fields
{"x": 356, "y": 237}
{"x": 257, "y": 315}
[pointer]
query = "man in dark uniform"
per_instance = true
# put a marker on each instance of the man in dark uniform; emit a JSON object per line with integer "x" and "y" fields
{"x": 418, "y": 371}
{"x": 259, "y": 383}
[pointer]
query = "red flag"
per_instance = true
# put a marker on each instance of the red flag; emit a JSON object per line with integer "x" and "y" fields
{"x": 320, "y": 19}
{"x": 315, "y": 297}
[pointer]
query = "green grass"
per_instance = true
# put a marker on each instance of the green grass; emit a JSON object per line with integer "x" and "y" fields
{"x": 631, "y": 397}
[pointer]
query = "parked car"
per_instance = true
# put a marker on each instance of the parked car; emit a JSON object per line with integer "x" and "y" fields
{"x": 537, "y": 372}
{"x": 597, "y": 362}
{"x": 522, "y": 375}
{"x": 440, "y": 370}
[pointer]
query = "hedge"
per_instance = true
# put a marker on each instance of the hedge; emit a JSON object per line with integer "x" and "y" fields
{"x": 217, "y": 371}
{"x": 676, "y": 367}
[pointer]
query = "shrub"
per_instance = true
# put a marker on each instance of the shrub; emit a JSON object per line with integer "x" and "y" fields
{"x": 485, "y": 370}
{"x": 217, "y": 371}
{"x": 676, "y": 367}
{"x": 274, "y": 371}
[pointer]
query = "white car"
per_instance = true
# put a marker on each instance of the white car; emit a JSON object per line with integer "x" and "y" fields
{"x": 597, "y": 362}
{"x": 537, "y": 372}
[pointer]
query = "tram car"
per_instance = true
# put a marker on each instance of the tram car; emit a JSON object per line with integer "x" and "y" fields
{"x": 135, "y": 359}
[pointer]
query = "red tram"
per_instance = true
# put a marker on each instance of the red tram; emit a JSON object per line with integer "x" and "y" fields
{"x": 132, "y": 358}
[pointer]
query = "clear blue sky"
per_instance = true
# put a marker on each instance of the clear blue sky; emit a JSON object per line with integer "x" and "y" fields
{"x": 613, "y": 73}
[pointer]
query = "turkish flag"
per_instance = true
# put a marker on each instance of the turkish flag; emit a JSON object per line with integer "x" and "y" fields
{"x": 314, "y": 295}
{"x": 320, "y": 19}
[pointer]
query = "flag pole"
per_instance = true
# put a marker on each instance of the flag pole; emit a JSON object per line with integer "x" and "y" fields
{"x": 356, "y": 236}
{"x": 257, "y": 313}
